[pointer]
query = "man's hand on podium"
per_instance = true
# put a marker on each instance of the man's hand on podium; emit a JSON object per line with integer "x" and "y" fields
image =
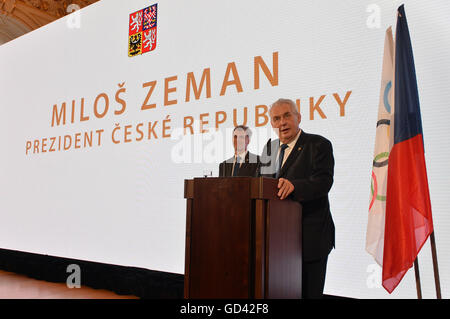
{"x": 285, "y": 188}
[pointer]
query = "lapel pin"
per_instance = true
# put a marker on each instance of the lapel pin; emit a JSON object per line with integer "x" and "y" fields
{"x": 300, "y": 148}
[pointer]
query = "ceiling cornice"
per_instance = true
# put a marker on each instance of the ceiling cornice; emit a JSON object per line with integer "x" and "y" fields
{"x": 32, "y": 14}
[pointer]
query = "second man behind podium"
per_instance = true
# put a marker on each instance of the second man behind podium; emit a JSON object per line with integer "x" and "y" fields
{"x": 243, "y": 163}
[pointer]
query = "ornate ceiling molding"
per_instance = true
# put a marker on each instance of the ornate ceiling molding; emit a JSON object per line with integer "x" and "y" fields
{"x": 11, "y": 29}
{"x": 18, "y": 17}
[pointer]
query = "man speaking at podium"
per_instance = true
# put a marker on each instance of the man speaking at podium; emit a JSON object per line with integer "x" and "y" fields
{"x": 243, "y": 163}
{"x": 303, "y": 164}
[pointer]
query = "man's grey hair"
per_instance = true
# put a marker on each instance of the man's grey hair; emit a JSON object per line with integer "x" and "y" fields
{"x": 285, "y": 101}
{"x": 246, "y": 129}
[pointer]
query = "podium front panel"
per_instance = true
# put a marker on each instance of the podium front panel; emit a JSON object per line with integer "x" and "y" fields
{"x": 220, "y": 251}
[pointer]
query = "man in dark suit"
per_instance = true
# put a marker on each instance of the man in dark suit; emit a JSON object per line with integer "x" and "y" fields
{"x": 304, "y": 165}
{"x": 243, "y": 163}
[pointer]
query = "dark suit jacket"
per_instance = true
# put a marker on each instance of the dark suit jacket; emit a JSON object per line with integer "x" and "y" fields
{"x": 248, "y": 168}
{"x": 310, "y": 168}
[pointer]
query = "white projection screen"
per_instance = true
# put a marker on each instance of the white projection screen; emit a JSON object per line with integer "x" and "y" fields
{"x": 107, "y": 184}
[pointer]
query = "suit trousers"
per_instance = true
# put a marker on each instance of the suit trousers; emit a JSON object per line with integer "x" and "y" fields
{"x": 313, "y": 278}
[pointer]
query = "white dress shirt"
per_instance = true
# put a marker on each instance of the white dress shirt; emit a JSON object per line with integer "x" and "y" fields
{"x": 290, "y": 147}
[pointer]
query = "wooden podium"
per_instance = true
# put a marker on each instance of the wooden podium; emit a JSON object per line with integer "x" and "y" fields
{"x": 241, "y": 240}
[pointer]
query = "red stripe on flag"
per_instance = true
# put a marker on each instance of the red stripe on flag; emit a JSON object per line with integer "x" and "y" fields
{"x": 408, "y": 210}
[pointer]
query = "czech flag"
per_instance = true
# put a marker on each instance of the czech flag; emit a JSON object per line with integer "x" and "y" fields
{"x": 408, "y": 209}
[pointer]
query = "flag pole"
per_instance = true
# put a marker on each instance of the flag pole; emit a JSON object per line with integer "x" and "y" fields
{"x": 416, "y": 271}
{"x": 435, "y": 266}
{"x": 435, "y": 269}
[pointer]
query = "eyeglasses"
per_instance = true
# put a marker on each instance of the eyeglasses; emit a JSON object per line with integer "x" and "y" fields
{"x": 285, "y": 116}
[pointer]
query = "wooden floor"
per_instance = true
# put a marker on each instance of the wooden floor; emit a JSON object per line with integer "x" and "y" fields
{"x": 14, "y": 286}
